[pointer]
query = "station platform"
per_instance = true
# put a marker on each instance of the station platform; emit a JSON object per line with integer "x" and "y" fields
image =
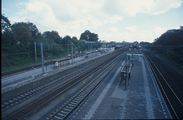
{"x": 142, "y": 98}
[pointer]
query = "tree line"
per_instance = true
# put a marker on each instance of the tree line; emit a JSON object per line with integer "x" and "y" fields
{"x": 171, "y": 37}
{"x": 17, "y": 41}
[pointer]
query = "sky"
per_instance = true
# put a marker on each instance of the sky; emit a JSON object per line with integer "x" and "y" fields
{"x": 112, "y": 20}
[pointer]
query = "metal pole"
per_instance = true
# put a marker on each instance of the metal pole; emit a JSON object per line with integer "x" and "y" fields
{"x": 67, "y": 48}
{"x": 132, "y": 55}
{"x": 42, "y": 57}
{"x": 92, "y": 47}
{"x": 60, "y": 47}
{"x": 46, "y": 63}
{"x": 125, "y": 77}
{"x": 35, "y": 51}
{"x": 72, "y": 52}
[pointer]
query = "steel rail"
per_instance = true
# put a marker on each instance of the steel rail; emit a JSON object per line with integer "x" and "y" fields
{"x": 165, "y": 80}
{"x": 162, "y": 87}
{"x": 45, "y": 101}
{"x": 178, "y": 74}
{"x": 10, "y": 101}
{"x": 70, "y": 105}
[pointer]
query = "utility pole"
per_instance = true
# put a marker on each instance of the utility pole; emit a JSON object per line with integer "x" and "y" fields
{"x": 67, "y": 48}
{"x": 72, "y": 52}
{"x": 125, "y": 77}
{"x": 35, "y": 51}
{"x": 132, "y": 55}
{"x": 42, "y": 58}
{"x": 46, "y": 63}
{"x": 88, "y": 47}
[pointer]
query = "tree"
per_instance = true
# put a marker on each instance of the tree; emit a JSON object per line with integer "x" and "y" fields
{"x": 74, "y": 38}
{"x": 66, "y": 40}
{"x": 93, "y": 37}
{"x": 6, "y": 38}
{"x": 5, "y": 23}
{"x": 33, "y": 29}
{"x": 87, "y": 35}
{"x": 53, "y": 35}
{"x": 58, "y": 40}
{"x": 84, "y": 36}
{"x": 7, "y": 43}
{"x": 47, "y": 34}
{"x": 173, "y": 37}
{"x": 22, "y": 35}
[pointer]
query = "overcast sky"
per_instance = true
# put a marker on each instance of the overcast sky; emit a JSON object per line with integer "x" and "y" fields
{"x": 112, "y": 20}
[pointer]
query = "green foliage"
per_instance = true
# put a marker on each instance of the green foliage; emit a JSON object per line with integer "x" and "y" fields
{"x": 77, "y": 45}
{"x": 175, "y": 37}
{"x": 66, "y": 40}
{"x": 87, "y": 35}
{"x": 84, "y": 36}
{"x": 22, "y": 35}
{"x": 74, "y": 38}
{"x": 5, "y": 23}
{"x": 52, "y": 36}
{"x": 7, "y": 38}
{"x": 17, "y": 43}
{"x": 33, "y": 29}
{"x": 93, "y": 37}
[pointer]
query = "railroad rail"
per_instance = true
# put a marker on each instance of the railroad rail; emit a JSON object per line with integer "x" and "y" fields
{"x": 38, "y": 65}
{"x": 170, "y": 83}
{"x": 64, "y": 111}
{"x": 7, "y": 103}
{"x": 30, "y": 108}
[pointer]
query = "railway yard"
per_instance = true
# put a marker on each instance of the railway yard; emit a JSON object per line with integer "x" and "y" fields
{"x": 91, "y": 89}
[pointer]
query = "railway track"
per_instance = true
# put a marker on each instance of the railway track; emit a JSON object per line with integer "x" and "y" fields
{"x": 6, "y": 87}
{"x": 7, "y": 103}
{"x": 30, "y": 108}
{"x": 170, "y": 83}
{"x": 64, "y": 111}
{"x": 38, "y": 65}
